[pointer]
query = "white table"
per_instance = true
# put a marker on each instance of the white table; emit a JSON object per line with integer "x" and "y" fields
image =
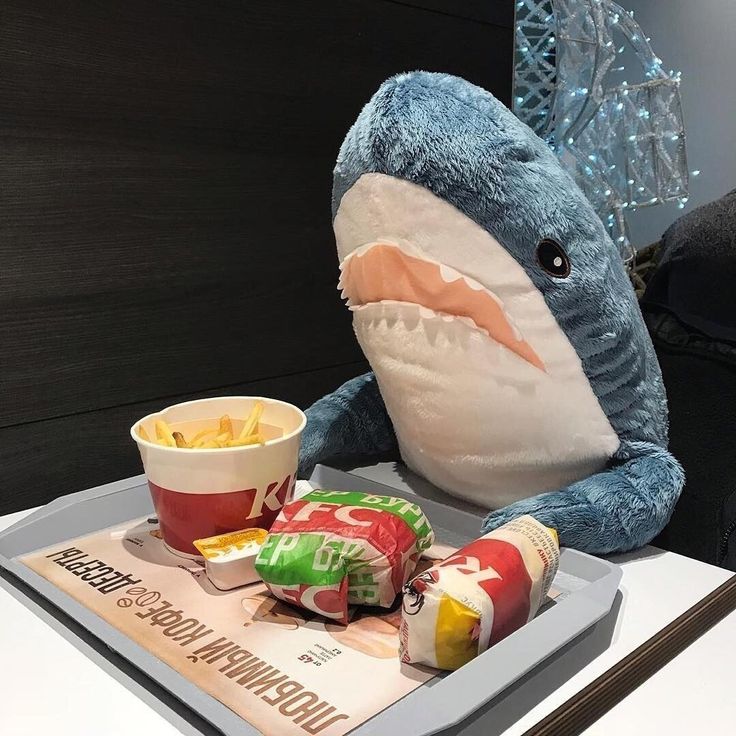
{"x": 47, "y": 685}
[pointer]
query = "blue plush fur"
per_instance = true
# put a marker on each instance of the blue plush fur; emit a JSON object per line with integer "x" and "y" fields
{"x": 458, "y": 141}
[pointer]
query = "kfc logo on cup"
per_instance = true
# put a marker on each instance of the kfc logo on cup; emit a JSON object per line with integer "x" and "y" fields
{"x": 200, "y": 493}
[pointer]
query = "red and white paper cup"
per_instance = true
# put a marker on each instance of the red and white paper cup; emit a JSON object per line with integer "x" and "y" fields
{"x": 200, "y": 493}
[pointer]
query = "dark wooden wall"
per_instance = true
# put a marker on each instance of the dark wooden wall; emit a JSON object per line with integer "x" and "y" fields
{"x": 165, "y": 174}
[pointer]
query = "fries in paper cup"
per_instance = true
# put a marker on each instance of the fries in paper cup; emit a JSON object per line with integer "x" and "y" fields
{"x": 209, "y": 439}
{"x": 219, "y": 465}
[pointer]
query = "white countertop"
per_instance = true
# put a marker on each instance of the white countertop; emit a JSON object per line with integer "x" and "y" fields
{"x": 49, "y": 686}
{"x": 696, "y": 689}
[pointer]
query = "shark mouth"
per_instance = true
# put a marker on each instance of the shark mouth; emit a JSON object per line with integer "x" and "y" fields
{"x": 381, "y": 272}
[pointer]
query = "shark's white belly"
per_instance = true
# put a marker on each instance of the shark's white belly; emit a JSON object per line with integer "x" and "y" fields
{"x": 472, "y": 417}
{"x": 489, "y": 422}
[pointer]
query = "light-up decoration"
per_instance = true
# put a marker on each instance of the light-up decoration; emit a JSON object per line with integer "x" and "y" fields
{"x": 624, "y": 143}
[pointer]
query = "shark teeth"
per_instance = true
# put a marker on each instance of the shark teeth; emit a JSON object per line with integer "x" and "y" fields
{"x": 449, "y": 274}
{"x": 473, "y": 284}
{"x": 425, "y": 313}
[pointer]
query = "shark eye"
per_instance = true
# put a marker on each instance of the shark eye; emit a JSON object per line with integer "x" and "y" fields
{"x": 553, "y": 259}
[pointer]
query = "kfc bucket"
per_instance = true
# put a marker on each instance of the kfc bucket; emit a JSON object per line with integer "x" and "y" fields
{"x": 199, "y": 492}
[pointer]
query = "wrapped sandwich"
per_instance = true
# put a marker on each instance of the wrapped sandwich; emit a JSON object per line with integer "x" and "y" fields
{"x": 483, "y": 592}
{"x": 332, "y": 549}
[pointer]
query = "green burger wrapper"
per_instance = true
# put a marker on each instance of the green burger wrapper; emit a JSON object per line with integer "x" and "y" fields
{"x": 332, "y": 549}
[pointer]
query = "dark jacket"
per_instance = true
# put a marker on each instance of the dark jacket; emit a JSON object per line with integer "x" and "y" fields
{"x": 690, "y": 309}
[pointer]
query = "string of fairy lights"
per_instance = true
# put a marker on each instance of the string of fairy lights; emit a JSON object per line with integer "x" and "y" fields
{"x": 623, "y": 142}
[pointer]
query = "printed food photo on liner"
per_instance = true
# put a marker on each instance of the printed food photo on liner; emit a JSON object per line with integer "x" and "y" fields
{"x": 372, "y": 633}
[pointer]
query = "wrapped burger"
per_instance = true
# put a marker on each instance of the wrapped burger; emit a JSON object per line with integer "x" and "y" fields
{"x": 483, "y": 592}
{"x": 332, "y": 549}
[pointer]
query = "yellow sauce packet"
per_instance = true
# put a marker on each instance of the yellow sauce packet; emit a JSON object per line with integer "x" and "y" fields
{"x": 226, "y": 544}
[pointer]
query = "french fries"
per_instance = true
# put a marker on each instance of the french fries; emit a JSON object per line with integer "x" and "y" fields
{"x": 163, "y": 434}
{"x": 211, "y": 438}
{"x": 251, "y": 423}
{"x": 226, "y": 426}
{"x": 198, "y": 438}
{"x": 253, "y": 439}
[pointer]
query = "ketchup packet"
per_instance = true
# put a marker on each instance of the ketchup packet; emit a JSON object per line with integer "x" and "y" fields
{"x": 480, "y": 594}
{"x": 331, "y": 549}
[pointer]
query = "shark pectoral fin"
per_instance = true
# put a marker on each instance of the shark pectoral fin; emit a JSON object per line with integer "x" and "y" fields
{"x": 619, "y": 509}
{"x": 351, "y": 421}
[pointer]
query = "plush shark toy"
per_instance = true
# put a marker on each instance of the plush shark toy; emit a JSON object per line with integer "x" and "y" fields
{"x": 511, "y": 365}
